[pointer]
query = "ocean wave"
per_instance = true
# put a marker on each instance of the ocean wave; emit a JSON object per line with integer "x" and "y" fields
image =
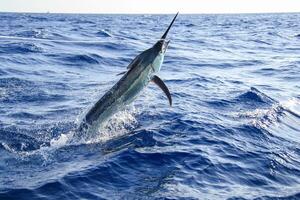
{"x": 38, "y": 33}
{"x": 20, "y": 143}
{"x": 221, "y": 139}
{"x": 81, "y": 59}
{"x": 255, "y": 96}
{"x": 3, "y": 72}
{"x": 252, "y": 98}
{"x": 21, "y": 47}
{"x": 36, "y": 18}
{"x": 24, "y": 91}
{"x": 77, "y": 59}
{"x": 271, "y": 117}
{"x": 103, "y": 33}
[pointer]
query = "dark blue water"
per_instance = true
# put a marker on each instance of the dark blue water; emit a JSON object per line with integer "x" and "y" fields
{"x": 232, "y": 133}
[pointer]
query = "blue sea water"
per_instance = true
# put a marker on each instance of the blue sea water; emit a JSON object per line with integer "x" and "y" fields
{"x": 233, "y": 131}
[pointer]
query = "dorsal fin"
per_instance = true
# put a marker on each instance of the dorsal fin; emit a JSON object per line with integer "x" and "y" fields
{"x": 162, "y": 86}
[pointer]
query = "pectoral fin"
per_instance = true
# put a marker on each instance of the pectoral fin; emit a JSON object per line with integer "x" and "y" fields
{"x": 162, "y": 86}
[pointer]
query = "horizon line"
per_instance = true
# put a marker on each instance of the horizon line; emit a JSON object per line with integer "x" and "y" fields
{"x": 153, "y": 13}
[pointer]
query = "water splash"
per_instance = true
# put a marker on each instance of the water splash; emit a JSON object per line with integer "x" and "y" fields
{"x": 119, "y": 124}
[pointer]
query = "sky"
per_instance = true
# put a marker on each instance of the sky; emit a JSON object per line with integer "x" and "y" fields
{"x": 150, "y": 6}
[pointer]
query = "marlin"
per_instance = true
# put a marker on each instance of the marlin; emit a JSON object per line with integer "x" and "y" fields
{"x": 140, "y": 72}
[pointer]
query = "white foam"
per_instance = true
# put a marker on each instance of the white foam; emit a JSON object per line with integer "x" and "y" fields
{"x": 269, "y": 116}
{"x": 293, "y": 105}
{"x": 119, "y": 124}
{"x": 265, "y": 117}
{"x": 62, "y": 140}
{"x": 6, "y": 147}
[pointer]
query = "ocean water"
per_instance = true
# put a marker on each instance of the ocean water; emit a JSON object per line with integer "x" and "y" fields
{"x": 233, "y": 131}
